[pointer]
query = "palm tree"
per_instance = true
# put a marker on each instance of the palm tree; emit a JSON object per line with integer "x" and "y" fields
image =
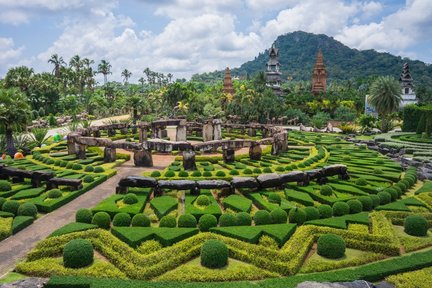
{"x": 20, "y": 77}
{"x": 142, "y": 81}
{"x": 58, "y": 62}
{"x": 126, "y": 74}
{"x": 169, "y": 77}
{"x": 104, "y": 68}
{"x": 14, "y": 115}
{"x": 385, "y": 96}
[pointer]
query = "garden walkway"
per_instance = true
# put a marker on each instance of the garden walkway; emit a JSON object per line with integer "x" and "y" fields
{"x": 17, "y": 246}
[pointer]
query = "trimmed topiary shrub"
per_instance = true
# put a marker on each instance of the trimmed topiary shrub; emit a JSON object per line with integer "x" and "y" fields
{"x": 393, "y": 193}
{"x": 355, "y": 206}
{"x": 155, "y": 174}
{"x": 130, "y": 199}
{"x": 416, "y": 225}
{"x": 83, "y": 215}
{"x": 227, "y": 220}
{"x": 99, "y": 169}
{"x": 2, "y": 201}
{"x": 140, "y": 220}
{"x": 375, "y": 200}
{"x": 297, "y": 215}
{"x": 257, "y": 170}
{"x": 340, "y": 209}
{"x": 379, "y": 161}
{"x": 196, "y": 174}
{"x": 325, "y": 211}
{"x": 262, "y": 217}
{"x": 11, "y": 206}
{"x": 203, "y": 200}
{"x": 54, "y": 194}
{"x": 102, "y": 220}
{"x": 274, "y": 198}
{"x": 206, "y": 222}
{"x": 312, "y": 213}
{"x": 214, "y": 254}
{"x": 27, "y": 209}
{"x": 233, "y": 172}
{"x": 187, "y": 220}
{"x": 361, "y": 182}
{"x": 121, "y": 220}
{"x": 247, "y": 171}
{"x": 243, "y": 219}
{"x": 89, "y": 168}
{"x": 267, "y": 170}
{"x": 207, "y": 174}
{"x": 366, "y": 202}
{"x": 168, "y": 221}
{"x": 78, "y": 253}
{"x": 5, "y": 186}
{"x": 331, "y": 246}
{"x": 279, "y": 216}
{"x": 169, "y": 174}
{"x": 69, "y": 165}
{"x": 326, "y": 190}
{"x": 76, "y": 167}
{"x": 183, "y": 174}
{"x": 221, "y": 173}
{"x": 384, "y": 197}
{"x": 88, "y": 179}
{"x": 378, "y": 171}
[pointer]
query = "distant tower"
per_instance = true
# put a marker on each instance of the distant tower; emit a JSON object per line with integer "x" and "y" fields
{"x": 406, "y": 82}
{"x": 319, "y": 75}
{"x": 273, "y": 75}
{"x": 228, "y": 85}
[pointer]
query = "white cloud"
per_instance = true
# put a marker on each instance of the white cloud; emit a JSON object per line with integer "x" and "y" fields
{"x": 8, "y": 51}
{"x": 191, "y": 8}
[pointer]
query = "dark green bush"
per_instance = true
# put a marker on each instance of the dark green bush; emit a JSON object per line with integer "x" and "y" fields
{"x": 355, "y": 206}
{"x": 11, "y": 206}
{"x": 196, "y": 174}
{"x": 88, "y": 179}
{"x": 168, "y": 221}
{"x": 130, "y": 199}
{"x": 326, "y": 190}
{"x": 331, "y": 246}
{"x": 384, "y": 197}
{"x": 398, "y": 189}
{"x": 274, "y": 198}
{"x": 140, "y": 220}
{"x": 76, "y": 167}
{"x": 206, "y": 222}
{"x": 102, "y": 220}
{"x": 361, "y": 182}
{"x": 233, "y": 172}
{"x": 379, "y": 161}
{"x": 267, "y": 170}
{"x": 416, "y": 225}
{"x": 214, "y": 254}
{"x": 280, "y": 169}
{"x": 121, "y": 220}
{"x": 257, "y": 170}
{"x": 187, "y": 221}
{"x": 28, "y": 209}
{"x": 247, "y": 171}
{"x": 78, "y": 253}
{"x": 2, "y": 201}
{"x": 169, "y": 174}
{"x": 5, "y": 186}
{"x": 89, "y": 168}
{"x": 279, "y": 216}
{"x": 221, "y": 173}
{"x": 243, "y": 219}
{"x": 325, "y": 211}
{"x": 393, "y": 193}
{"x": 155, "y": 174}
{"x": 208, "y": 174}
{"x": 366, "y": 202}
{"x": 262, "y": 217}
{"x": 83, "y": 215}
{"x": 54, "y": 194}
{"x": 227, "y": 220}
{"x": 203, "y": 200}
{"x": 183, "y": 174}
{"x": 297, "y": 215}
{"x": 312, "y": 213}
{"x": 69, "y": 165}
{"x": 340, "y": 208}
{"x": 99, "y": 169}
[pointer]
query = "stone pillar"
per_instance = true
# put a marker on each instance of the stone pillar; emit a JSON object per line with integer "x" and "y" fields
{"x": 96, "y": 134}
{"x": 162, "y": 133}
{"x": 207, "y": 132}
{"x": 109, "y": 154}
{"x": 81, "y": 151}
{"x": 142, "y": 135}
{"x": 189, "y": 160}
{"x": 228, "y": 155}
{"x": 252, "y": 132}
{"x": 217, "y": 129}
{"x": 143, "y": 158}
{"x": 255, "y": 152}
{"x": 71, "y": 146}
{"x": 181, "y": 133}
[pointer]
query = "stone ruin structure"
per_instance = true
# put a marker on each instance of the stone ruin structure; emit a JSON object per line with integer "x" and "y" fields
{"x": 319, "y": 75}
{"x": 211, "y": 131}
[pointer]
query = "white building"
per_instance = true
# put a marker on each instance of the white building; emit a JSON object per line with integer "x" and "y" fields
{"x": 406, "y": 81}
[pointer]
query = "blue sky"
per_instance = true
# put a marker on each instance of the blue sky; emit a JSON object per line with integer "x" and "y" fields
{"x": 190, "y": 36}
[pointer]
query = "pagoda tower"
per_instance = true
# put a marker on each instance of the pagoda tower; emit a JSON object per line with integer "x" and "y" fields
{"x": 228, "y": 85}
{"x": 273, "y": 74}
{"x": 406, "y": 82}
{"x": 319, "y": 75}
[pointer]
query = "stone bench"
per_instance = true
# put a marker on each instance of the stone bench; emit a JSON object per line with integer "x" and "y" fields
{"x": 135, "y": 181}
{"x": 75, "y": 184}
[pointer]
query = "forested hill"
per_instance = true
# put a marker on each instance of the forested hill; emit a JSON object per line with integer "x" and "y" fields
{"x": 297, "y": 55}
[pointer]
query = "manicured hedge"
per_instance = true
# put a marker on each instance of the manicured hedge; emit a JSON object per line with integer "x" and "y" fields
{"x": 163, "y": 205}
{"x": 21, "y": 222}
{"x": 73, "y": 227}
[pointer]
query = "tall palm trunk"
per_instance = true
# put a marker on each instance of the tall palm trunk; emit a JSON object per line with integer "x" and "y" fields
{"x": 10, "y": 145}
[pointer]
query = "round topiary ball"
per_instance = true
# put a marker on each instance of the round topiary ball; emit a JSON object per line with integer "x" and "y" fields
{"x": 214, "y": 254}
{"x": 130, "y": 199}
{"x": 28, "y": 209}
{"x": 375, "y": 200}
{"x": 206, "y": 222}
{"x": 99, "y": 169}
{"x": 331, "y": 246}
{"x": 326, "y": 190}
{"x": 325, "y": 211}
{"x": 203, "y": 200}
{"x": 122, "y": 220}
{"x": 187, "y": 221}
{"x": 168, "y": 221}
{"x": 88, "y": 179}
{"x": 54, "y": 194}
{"x": 11, "y": 206}
{"x": 2, "y": 201}
{"x": 5, "y": 186}
{"x": 155, "y": 174}
{"x": 274, "y": 198}
{"x": 378, "y": 171}
{"x": 297, "y": 215}
{"x": 102, "y": 220}
{"x": 78, "y": 253}
{"x": 279, "y": 216}
{"x": 183, "y": 174}
{"x": 361, "y": 182}
{"x": 340, "y": 209}
{"x": 89, "y": 168}
{"x": 379, "y": 161}
{"x": 84, "y": 215}
{"x": 221, "y": 173}
{"x": 355, "y": 206}
{"x": 140, "y": 220}
{"x": 76, "y": 167}
{"x": 227, "y": 220}
{"x": 312, "y": 213}
{"x": 416, "y": 225}
{"x": 243, "y": 219}
{"x": 262, "y": 217}
{"x": 393, "y": 193}
{"x": 384, "y": 197}
{"x": 366, "y": 202}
